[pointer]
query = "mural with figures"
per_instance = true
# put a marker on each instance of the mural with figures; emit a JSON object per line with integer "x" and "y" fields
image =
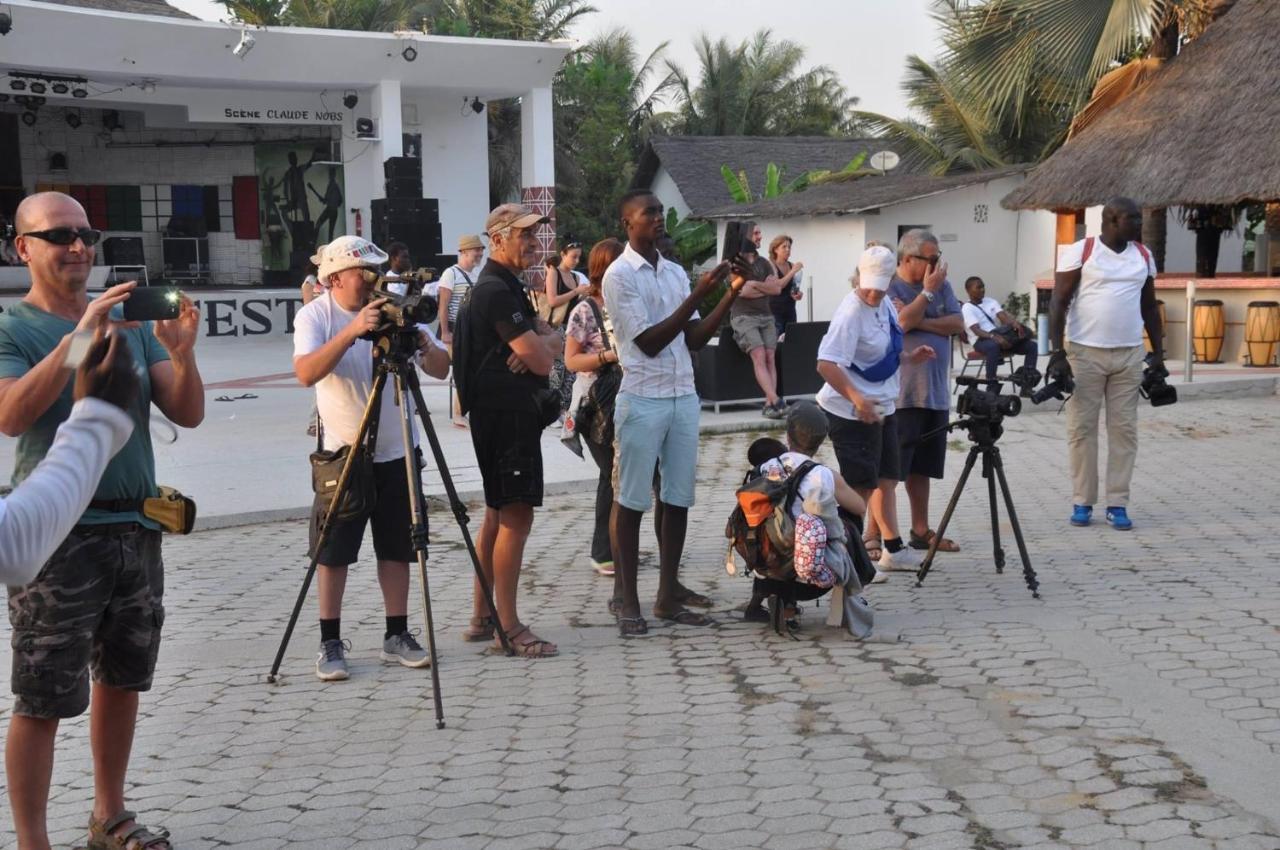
{"x": 301, "y": 202}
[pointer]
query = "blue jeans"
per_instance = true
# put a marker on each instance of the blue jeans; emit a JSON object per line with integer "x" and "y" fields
{"x": 992, "y": 351}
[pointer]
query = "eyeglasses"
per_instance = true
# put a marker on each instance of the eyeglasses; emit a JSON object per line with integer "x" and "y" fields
{"x": 67, "y": 235}
{"x": 931, "y": 261}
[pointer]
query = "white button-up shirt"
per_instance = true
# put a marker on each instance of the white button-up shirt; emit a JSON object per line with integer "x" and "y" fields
{"x": 639, "y": 296}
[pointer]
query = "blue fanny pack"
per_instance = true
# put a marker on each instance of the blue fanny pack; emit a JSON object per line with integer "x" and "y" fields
{"x": 887, "y": 365}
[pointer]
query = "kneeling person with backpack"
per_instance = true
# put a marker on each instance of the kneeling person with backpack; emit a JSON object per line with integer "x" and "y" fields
{"x": 790, "y": 529}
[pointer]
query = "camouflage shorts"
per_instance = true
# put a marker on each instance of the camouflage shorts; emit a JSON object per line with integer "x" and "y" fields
{"x": 96, "y": 605}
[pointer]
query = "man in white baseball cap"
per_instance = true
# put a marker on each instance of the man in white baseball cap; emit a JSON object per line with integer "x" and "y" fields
{"x": 859, "y": 359}
{"x": 329, "y": 354}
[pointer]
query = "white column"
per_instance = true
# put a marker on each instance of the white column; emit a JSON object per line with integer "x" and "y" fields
{"x": 537, "y": 139}
{"x": 363, "y": 173}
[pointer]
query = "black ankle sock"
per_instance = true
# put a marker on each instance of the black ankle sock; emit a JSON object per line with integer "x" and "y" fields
{"x": 893, "y": 544}
{"x": 331, "y": 629}
{"x": 396, "y": 626}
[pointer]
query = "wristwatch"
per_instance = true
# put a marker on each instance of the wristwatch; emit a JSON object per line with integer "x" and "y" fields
{"x": 928, "y": 296}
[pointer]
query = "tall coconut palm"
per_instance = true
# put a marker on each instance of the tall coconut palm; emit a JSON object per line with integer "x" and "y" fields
{"x": 756, "y": 88}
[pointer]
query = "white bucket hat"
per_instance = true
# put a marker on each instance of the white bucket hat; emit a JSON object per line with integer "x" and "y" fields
{"x": 344, "y": 253}
{"x": 876, "y": 268}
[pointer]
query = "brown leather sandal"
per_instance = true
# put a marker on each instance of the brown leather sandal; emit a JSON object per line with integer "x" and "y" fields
{"x": 102, "y": 835}
{"x": 479, "y": 630}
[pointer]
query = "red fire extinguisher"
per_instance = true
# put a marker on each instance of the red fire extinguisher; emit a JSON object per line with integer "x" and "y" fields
{"x": 359, "y": 221}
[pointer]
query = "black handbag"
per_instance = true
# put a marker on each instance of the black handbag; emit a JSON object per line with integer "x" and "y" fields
{"x": 361, "y": 494}
{"x": 604, "y": 390}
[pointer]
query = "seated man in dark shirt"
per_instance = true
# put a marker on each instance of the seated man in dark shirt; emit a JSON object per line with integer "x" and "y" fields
{"x": 511, "y": 352}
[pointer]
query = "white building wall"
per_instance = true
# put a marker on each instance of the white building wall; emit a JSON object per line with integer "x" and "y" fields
{"x": 455, "y": 162}
{"x": 669, "y": 193}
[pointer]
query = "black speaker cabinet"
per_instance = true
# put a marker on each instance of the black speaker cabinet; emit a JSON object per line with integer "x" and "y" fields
{"x": 403, "y": 187}
{"x": 427, "y": 209}
{"x": 402, "y": 166}
{"x": 123, "y": 251}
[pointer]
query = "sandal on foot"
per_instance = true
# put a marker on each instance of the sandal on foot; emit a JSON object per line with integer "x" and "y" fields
{"x": 923, "y": 541}
{"x": 632, "y": 626}
{"x": 685, "y": 596}
{"x": 685, "y": 617}
{"x": 102, "y": 835}
{"x": 874, "y": 548}
{"x": 532, "y": 647}
{"x": 480, "y": 629}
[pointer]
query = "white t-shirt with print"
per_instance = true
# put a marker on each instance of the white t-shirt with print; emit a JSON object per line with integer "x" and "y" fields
{"x": 1107, "y": 309}
{"x": 858, "y": 334}
{"x": 983, "y": 315}
{"x": 341, "y": 396}
{"x": 817, "y": 487}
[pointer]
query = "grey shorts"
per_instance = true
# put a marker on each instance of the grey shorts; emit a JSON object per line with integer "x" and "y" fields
{"x": 96, "y": 606}
{"x": 752, "y": 332}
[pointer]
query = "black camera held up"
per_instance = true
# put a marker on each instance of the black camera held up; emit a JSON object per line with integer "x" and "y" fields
{"x": 408, "y": 304}
{"x": 1154, "y": 386}
{"x": 1062, "y": 385}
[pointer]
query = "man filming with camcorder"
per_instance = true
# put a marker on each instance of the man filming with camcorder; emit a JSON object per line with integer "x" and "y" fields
{"x": 1103, "y": 297}
{"x": 334, "y": 352}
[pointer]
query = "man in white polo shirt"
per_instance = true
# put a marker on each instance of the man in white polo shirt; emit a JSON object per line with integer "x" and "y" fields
{"x": 1103, "y": 295}
{"x": 656, "y": 324}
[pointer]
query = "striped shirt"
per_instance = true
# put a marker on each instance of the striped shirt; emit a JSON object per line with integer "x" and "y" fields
{"x": 638, "y": 296}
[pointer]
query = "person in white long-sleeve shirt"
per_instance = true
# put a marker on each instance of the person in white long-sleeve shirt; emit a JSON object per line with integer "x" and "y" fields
{"x": 37, "y": 516}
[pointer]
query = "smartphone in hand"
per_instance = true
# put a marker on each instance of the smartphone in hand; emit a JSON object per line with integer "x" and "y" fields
{"x": 152, "y": 303}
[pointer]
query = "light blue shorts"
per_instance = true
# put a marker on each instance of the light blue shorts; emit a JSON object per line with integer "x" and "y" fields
{"x": 649, "y": 432}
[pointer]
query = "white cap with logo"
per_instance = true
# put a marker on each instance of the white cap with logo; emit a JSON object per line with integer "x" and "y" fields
{"x": 876, "y": 268}
{"x": 344, "y": 253}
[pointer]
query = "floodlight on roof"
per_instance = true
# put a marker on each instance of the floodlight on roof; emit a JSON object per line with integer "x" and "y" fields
{"x": 246, "y": 43}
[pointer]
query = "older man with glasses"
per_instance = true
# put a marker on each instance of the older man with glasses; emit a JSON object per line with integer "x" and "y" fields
{"x": 930, "y": 314}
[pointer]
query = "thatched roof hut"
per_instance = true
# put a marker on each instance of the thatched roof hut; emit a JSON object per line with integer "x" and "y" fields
{"x": 1205, "y": 130}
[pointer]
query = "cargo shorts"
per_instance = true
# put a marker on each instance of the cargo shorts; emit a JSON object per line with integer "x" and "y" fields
{"x": 95, "y": 606}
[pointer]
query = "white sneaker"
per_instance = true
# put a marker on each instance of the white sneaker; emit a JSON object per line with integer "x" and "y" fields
{"x": 905, "y": 559}
{"x": 880, "y": 577}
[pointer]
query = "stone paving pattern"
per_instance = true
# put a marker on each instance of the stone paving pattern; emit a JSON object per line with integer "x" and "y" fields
{"x": 1136, "y": 705}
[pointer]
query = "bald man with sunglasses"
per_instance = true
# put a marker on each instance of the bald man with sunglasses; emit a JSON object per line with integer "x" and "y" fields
{"x": 96, "y": 606}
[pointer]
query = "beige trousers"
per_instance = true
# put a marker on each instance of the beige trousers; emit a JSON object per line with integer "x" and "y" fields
{"x": 1110, "y": 375}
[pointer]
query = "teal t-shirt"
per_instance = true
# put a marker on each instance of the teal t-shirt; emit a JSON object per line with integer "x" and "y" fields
{"x": 27, "y": 335}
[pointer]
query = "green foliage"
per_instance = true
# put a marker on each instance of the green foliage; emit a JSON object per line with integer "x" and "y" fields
{"x": 695, "y": 240}
{"x": 740, "y": 188}
{"x": 1018, "y": 305}
{"x": 756, "y": 88}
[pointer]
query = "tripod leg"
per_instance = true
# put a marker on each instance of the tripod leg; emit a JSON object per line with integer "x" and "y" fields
{"x": 1033, "y": 584}
{"x": 459, "y": 510}
{"x": 418, "y": 521}
{"x": 368, "y": 424}
{"x": 946, "y": 515}
{"x": 989, "y": 474}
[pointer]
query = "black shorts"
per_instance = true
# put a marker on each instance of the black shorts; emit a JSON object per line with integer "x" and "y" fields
{"x": 96, "y": 606}
{"x": 866, "y": 452}
{"x": 927, "y": 457}
{"x": 392, "y": 525}
{"x": 508, "y": 446}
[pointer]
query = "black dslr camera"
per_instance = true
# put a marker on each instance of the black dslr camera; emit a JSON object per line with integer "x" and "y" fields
{"x": 406, "y": 309}
{"x": 986, "y": 404}
{"x": 1155, "y": 388}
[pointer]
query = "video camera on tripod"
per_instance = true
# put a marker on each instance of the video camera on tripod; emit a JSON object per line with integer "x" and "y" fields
{"x": 408, "y": 303}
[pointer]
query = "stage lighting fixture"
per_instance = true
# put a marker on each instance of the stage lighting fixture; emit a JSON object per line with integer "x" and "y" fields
{"x": 38, "y": 87}
{"x": 73, "y": 120}
{"x": 6, "y": 23}
{"x": 246, "y": 43}
{"x": 476, "y": 106}
{"x": 409, "y": 53}
{"x": 18, "y": 85}
{"x": 61, "y": 88}
{"x": 29, "y": 118}
{"x": 79, "y": 93}
{"x": 350, "y": 99}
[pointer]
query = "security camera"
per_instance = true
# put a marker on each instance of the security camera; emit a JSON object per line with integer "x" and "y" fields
{"x": 6, "y": 23}
{"x": 246, "y": 43}
{"x": 350, "y": 99}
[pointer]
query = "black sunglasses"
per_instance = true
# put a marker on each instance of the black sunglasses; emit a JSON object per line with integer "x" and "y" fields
{"x": 67, "y": 235}
{"x": 932, "y": 261}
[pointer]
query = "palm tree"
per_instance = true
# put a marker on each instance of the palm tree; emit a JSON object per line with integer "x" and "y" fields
{"x": 756, "y": 88}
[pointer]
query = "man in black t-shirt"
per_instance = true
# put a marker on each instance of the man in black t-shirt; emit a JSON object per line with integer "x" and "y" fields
{"x": 512, "y": 351}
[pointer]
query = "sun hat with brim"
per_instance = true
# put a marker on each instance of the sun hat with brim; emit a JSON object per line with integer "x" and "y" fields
{"x": 469, "y": 243}
{"x": 512, "y": 215}
{"x": 347, "y": 252}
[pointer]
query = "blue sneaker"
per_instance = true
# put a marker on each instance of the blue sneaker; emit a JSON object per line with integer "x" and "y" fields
{"x": 1118, "y": 518}
{"x": 1081, "y": 514}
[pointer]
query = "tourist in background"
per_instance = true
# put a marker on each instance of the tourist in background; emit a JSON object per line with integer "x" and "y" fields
{"x": 753, "y": 325}
{"x": 562, "y": 288}
{"x": 586, "y": 354}
{"x": 789, "y": 275}
{"x": 996, "y": 334}
{"x": 454, "y": 284}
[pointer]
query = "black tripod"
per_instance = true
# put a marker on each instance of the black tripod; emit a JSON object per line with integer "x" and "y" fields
{"x": 393, "y": 355}
{"x": 984, "y": 434}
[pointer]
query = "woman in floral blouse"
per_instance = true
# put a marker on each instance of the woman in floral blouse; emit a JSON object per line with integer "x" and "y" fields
{"x": 585, "y": 354}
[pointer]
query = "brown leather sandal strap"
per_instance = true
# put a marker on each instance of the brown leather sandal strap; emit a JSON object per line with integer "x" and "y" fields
{"x": 115, "y": 820}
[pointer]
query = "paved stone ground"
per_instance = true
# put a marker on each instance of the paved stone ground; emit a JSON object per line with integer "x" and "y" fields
{"x": 1136, "y": 705}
